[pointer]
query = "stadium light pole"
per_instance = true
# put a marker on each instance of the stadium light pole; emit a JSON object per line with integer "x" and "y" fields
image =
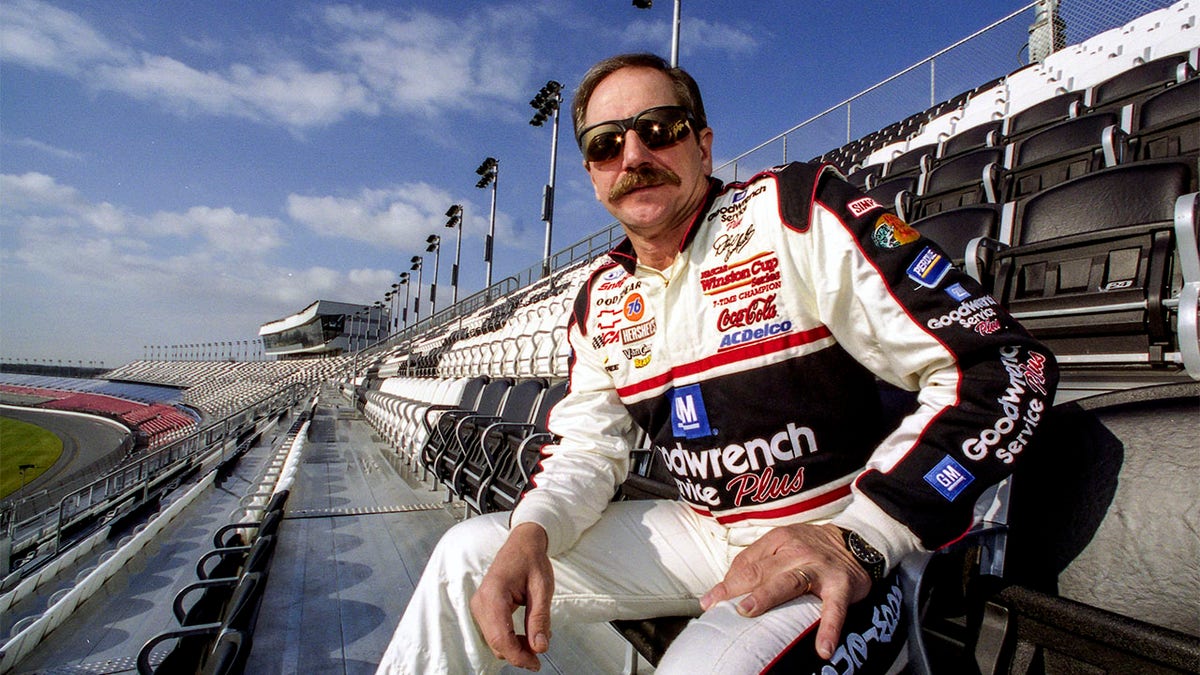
{"x": 489, "y": 174}
{"x": 378, "y": 305}
{"x": 455, "y": 222}
{"x": 546, "y": 103}
{"x": 647, "y": 4}
{"x": 407, "y": 288}
{"x": 416, "y": 267}
{"x": 433, "y": 244}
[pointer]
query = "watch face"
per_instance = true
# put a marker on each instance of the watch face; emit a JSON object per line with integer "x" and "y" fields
{"x": 862, "y": 550}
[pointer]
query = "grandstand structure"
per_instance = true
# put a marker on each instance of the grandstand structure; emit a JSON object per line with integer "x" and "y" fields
{"x": 324, "y": 329}
{"x": 1068, "y": 187}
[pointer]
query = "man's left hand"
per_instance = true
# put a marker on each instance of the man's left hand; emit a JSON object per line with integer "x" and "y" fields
{"x": 792, "y": 561}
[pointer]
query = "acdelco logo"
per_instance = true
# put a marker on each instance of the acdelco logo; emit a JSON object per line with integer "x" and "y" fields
{"x": 748, "y": 335}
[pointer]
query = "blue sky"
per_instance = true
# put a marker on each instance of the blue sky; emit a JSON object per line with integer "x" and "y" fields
{"x": 182, "y": 172}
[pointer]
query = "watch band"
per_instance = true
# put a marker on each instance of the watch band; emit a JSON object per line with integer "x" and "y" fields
{"x": 871, "y": 560}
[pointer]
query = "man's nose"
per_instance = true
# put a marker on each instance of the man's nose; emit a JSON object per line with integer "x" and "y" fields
{"x": 633, "y": 151}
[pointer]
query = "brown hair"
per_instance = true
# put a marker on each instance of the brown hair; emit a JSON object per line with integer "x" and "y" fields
{"x": 687, "y": 92}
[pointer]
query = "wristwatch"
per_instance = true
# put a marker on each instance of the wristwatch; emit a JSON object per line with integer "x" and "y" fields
{"x": 871, "y": 560}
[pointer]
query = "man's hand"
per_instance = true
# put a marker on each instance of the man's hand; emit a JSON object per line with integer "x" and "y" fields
{"x": 792, "y": 561}
{"x": 520, "y": 575}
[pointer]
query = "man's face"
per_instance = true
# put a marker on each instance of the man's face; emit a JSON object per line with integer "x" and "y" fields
{"x": 674, "y": 178}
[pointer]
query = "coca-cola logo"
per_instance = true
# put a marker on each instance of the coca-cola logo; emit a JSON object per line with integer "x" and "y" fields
{"x": 758, "y": 311}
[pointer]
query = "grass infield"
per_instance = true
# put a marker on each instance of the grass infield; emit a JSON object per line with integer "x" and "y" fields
{"x": 24, "y": 443}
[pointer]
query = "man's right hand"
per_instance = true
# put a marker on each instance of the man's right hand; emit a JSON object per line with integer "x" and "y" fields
{"x": 520, "y": 575}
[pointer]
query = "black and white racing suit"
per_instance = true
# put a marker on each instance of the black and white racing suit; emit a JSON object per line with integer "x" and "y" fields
{"x": 751, "y": 365}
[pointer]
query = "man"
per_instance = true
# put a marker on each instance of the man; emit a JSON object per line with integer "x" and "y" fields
{"x": 742, "y": 329}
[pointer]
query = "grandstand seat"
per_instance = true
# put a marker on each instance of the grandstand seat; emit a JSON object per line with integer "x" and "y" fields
{"x": 1043, "y": 114}
{"x": 506, "y": 451}
{"x": 910, "y": 162}
{"x": 420, "y": 417}
{"x": 866, "y": 176}
{"x": 1065, "y": 150}
{"x": 440, "y": 423}
{"x": 895, "y": 193}
{"x": 1080, "y": 594}
{"x": 1138, "y": 81}
{"x": 985, "y": 135}
{"x": 970, "y": 178}
{"x": 464, "y": 449}
{"x": 206, "y": 647}
{"x": 1168, "y": 124}
{"x": 969, "y": 234}
{"x": 1103, "y": 267}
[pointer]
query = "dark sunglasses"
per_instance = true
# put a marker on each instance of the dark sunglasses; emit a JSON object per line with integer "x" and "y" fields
{"x": 657, "y": 127}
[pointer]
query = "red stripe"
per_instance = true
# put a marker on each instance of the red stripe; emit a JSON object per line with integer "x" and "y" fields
{"x": 742, "y": 353}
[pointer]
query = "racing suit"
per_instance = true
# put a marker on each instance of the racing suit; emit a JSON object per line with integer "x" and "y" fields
{"x": 751, "y": 366}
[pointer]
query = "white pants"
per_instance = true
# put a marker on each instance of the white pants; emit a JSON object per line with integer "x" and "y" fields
{"x": 642, "y": 559}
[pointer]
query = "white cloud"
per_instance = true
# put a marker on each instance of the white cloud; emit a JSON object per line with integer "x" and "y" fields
{"x": 406, "y": 62}
{"x": 40, "y": 35}
{"x": 399, "y": 217}
{"x": 90, "y": 281}
{"x": 223, "y": 228}
{"x": 696, "y": 34}
{"x": 46, "y": 148}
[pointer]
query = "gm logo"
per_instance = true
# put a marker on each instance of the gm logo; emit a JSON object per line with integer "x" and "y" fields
{"x": 688, "y": 417}
{"x": 949, "y": 478}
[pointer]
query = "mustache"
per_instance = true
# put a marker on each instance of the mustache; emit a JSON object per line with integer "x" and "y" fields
{"x": 640, "y": 177}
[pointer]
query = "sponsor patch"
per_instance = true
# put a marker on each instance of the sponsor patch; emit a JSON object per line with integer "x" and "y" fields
{"x": 639, "y": 332}
{"x": 689, "y": 419}
{"x": 949, "y": 478}
{"x": 929, "y": 268}
{"x": 862, "y": 205}
{"x": 757, "y": 311}
{"x": 613, "y": 274}
{"x": 635, "y": 307}
{"x": 746, "y": 336}
{"x": 957, "y": 292}
{"x": 892, "y": 232}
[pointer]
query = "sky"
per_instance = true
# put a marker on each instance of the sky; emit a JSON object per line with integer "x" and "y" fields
{"x": 180, "y": 172}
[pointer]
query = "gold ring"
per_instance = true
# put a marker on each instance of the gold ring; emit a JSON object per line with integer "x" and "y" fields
{"x": 804, "y": 575}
